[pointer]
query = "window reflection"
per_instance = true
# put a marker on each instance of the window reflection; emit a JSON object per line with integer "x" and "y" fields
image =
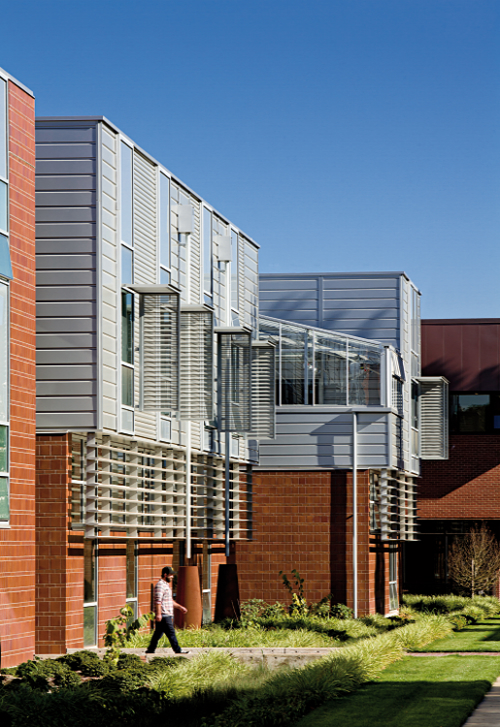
{"x": 475, "y": 413}
{"x": 364, "y": 376}
{"x": 292, "y": 365}
{"x": 330, "y": 372}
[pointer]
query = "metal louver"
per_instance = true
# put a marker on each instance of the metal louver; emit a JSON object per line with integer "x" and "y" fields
{"x": 263, "y": 390}
{"x": 159, "y": 316}
{"x": 234, "y": 365}
{"x": 196, "y": 363}
{"x": 397, "y": 506}
{"x": 433, "y": 417}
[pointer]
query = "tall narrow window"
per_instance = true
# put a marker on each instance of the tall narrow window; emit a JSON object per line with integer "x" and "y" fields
{"x": 234, "y": 271}
{"x": 393, "y": 578}
{"x": 4, "y": 225}
{"x": 127, "y": 368}
{"x": 207, "y": 256}
{"x": 89, "y": 593}
{"x": 131, "y": 592}
{"x": 164, "y": 224}
{"x": 4, "y": 404}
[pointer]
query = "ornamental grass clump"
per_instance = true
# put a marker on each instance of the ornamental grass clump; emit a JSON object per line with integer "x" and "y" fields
{"x": 427, "y": 629}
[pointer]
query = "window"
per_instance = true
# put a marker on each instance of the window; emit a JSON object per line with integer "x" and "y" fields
{"x": 330, "y": 371}
{"x": 131, "y": 566}
{"x": 4, "y": 404}
{"x": 292, "y": 365}
{"x": 127, "y": 368}
{"x": 414, "y": 418}
{"x": 393, "y": 579}
{"x": 364, "y": 375}
{"x": 89, "y": 593}
{"x": 374, "y": 502}
{"x": 164, "y": 223}
{"x": 234, "y": 271}
{"x": 3, "y": 129}
{"x": 207, "y": 256}
{"x": 3, "y": 207}
{"x": 397, "y": 395}
{"x": 127, "y": 276}
{"x": 475, "y": 413}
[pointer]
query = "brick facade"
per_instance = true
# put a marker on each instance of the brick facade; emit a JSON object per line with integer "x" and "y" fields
{"x": 17, "y": 562}
{"x": 465, "y": 487}
{"x": 303, "y": 520}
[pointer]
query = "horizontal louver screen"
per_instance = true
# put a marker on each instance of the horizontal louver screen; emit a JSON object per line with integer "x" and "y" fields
{"x": 160, "y": 352}
{"x": 433, "y": 418}
{"x": 234, "y": 354}
{"x": 196, "y": 369}
{"x": 263, "y": 391}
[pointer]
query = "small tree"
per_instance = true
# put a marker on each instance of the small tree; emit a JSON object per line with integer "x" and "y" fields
{"x": 474, "y": 561}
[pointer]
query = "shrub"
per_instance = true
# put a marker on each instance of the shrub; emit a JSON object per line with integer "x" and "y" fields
{"x": 458, "y": 622}
{"x": 86, "y": 662}
{"x": 340, "y": 610}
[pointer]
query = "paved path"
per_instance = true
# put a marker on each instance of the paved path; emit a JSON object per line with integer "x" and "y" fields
{"x": 487, "y": 713}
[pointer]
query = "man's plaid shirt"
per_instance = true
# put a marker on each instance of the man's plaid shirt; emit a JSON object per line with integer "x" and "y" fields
{"x": 163, "y": 595}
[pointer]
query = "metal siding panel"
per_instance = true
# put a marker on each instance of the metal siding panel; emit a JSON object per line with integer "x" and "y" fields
{"x": 145, "y": 235}
{"x": 65, "y": 250}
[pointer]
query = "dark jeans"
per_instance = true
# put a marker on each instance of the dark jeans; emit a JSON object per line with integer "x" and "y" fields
{"x": 165, "y": 626}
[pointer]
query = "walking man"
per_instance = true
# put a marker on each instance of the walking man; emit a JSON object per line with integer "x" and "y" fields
{"x": 164, "y": 605}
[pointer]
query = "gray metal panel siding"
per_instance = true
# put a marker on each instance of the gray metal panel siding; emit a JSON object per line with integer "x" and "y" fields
{"x": 66, "y": 275}
{"x": 366, "y": 306}
{"x": 317, "y": 437}
{"x": 145, "y": 265}
{"x": 251, "y": 282}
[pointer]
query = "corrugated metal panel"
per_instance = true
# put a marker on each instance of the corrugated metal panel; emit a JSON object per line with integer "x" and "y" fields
{"x": 317, "y": 437}
{"x": 220, "y": 287}
{"x": 251, "y": 286}
{"x": 66, "y": 265}
{"x": 110, "y": 284}
{"x": 433, "y": 418}
{"x": 366, "y": 306}
{"x": 241, "y": 277}
{"x": 145, "y": 236}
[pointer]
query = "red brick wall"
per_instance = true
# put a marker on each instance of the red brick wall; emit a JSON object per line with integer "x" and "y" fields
{"x": 17, "y": 561}
{"x": 303, "y": 520}
{"x": 467, "y": 485}
{"x": 59, "y": 588}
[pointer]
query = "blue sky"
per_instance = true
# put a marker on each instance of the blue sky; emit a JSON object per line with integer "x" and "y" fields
{"x": 342, "y": 135}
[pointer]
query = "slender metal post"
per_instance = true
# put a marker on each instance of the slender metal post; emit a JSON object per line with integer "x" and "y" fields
{"x": 226, "y": 489}
{"x": 355, "y": 512}
{"x": 188, "y": 489}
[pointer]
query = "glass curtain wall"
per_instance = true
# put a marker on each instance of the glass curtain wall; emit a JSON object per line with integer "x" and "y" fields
{"x": 315, "y": 368}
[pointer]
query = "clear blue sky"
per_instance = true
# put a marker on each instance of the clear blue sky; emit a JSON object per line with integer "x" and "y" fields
{"x": 342, "y": 135}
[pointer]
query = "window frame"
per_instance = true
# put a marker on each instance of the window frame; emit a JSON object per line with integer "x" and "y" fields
{"x": 490, "y": 429}
{"x": 5, "y": 474}
{"x": 94, "y": 604}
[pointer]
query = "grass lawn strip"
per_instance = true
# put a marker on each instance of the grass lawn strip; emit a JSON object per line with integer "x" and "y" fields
{"x": 425, "y": 692}
{"x": 484, "y": 636}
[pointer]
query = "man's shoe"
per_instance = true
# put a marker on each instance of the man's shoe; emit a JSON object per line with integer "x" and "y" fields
{"x": 183, "y": 651}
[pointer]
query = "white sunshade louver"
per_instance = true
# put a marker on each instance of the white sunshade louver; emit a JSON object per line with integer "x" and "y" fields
{"x": 196, "y": 363}
{"x": 159, "y": 312}
{"x": 263, "y": 392}
{"x": 234, "y": 364}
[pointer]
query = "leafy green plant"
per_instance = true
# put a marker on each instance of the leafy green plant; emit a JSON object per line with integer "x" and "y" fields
{"x": 120, "y": 629}
{"x": 458, "y": 622}
{"x": 340, "y": 610}
{"x": 86, "y": 662}
{"x": 298, "y": 607}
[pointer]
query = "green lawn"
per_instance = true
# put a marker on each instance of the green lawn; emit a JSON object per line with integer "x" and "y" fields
{"x": 415, "y": 692}
{"x": 484, "y": 636}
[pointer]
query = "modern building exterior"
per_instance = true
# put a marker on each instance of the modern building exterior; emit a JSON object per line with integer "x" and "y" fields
{"x": 463, "y": 491}
{"x": 145, "y": 296}
{"x": 351, "y": 405}
{"x": 17, "y": 370}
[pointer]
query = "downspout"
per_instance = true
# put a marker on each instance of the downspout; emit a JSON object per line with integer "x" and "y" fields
{"x": 188, "y": 423}
{"x": 355, "y": 513}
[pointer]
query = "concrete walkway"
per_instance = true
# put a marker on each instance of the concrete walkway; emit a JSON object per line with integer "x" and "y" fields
{"x": 487, "y": 713}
